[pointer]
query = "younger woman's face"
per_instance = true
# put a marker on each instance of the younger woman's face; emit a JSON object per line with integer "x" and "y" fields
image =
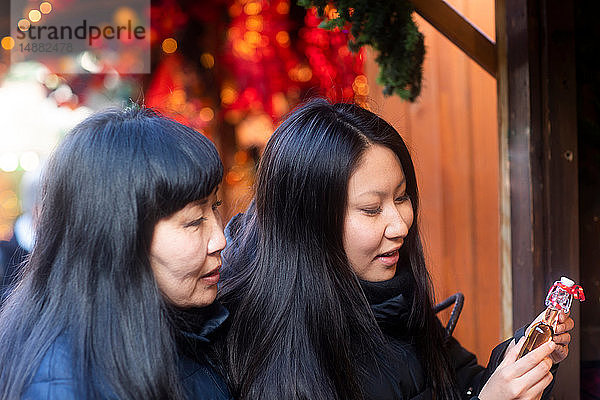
{"x": 185, "y": 253}
{"x": 378, "y": 216}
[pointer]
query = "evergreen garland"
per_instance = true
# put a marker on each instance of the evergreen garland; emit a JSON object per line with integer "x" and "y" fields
{"x": 387, "y": 26}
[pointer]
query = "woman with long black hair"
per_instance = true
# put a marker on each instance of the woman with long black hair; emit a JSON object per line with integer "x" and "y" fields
{"x": 116, "y": 301}
{"x": 327, "y": 283}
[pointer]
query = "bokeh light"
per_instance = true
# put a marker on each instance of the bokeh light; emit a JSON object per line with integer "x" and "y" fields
{"x": 8, "y": 43}
{"x": 29, "y": 161}
{"x": 45, "y": 7}
{"x": 283, "y": 38}
{"x": 283, "y": 7}
{"x": 228, "y": 95}
{"x": 124, "y": 15}
{"x": 207, "y": 60}
{"x": 24, "y": 24}
{"x": 169, "y": 45}
{"x": 360, "y": 85}
{"x": 254, "y": 23}
{"x": 35, "y": 15}
{"x": 252, "y": 8}
{"x": 206, "y": 114}
{"x": 9, "y": 162}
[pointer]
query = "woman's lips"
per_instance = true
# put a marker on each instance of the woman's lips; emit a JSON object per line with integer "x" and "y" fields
{"x": 390, "y": 259}
{"x": 212, "y": 278}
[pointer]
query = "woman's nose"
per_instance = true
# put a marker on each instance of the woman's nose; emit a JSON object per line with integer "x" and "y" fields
{"x": 217, "y": 241}
{"x": 398, "y": 223}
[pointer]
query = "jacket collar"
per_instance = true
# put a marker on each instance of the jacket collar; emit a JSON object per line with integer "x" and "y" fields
{"x": 391, "y": 301}
{"x": 199, "y": 324}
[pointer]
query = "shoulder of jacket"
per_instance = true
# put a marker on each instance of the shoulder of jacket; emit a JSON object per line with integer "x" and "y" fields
{"x": 57, "y": 363}
{"x": 200, "y": 380}
{"x": 54, "y": 377}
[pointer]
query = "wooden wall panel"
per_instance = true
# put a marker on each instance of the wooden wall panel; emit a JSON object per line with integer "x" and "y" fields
{"x": 452, "y": 133}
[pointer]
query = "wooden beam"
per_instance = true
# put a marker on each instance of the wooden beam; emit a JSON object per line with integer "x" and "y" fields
{"x": 538, "y": 118}
{"x": 506, "y": 329}
{"x": 459, "y": 31}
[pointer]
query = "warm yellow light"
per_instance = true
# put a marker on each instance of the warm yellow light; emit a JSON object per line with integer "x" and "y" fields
{"x": 333, "y": 14}
{"x": 228, "y": 95}
{"x": 233, "y": 117}
{"x": 254, "y": 23}
{"x": 362, "y": 91}
{"x": 360, "y": 85}
{"x": 177, "y": 98}
{"x": 304, "y": 74}
{"x": 233, "y": 177}
{"x": 235, "y": 10}
{"x": 282, "y": 38}
{"x": 10, "y": 203}
{"x": 24, "y": 24}
{"x": 207, "y": 114}
{"x": 207, "y": 60}
{"x": 35, "y": 15}
{"x": 5, "y": 231}
{"x": 8, "y": 43}
{"x": 169, "y": 45}
{"x": 360, "y": 80}
{"x": 293, "y": 74}
{"x": 283, "y": 7}
{"x": 280, "y": 104}
{"x": 233, "y": 33}
{"x": 252, "y": 8}
{"x": 244, "y": 50}
{"x": 241, "y": 157}
{"x": 253, "y": 38}
{"x": 45, "y": 7}
{"x": 124, "y": 15}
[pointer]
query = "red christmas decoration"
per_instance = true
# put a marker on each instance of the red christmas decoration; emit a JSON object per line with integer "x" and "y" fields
{"x": 270, "y": 69}
{"x": 270, "y": 60}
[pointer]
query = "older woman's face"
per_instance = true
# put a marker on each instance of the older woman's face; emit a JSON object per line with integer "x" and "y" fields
{"x": 378, "y": 216}
{"x": 185, "y": 253}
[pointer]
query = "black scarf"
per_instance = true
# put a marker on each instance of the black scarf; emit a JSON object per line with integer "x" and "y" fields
{"x": 391, "y": 301}
{"x": 195, "y": 328}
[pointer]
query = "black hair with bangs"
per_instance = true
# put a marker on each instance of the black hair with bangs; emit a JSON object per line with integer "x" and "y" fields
{"x": 89, "y": 277}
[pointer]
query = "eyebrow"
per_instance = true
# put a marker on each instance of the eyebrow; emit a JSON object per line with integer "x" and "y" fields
{"x": 381, "y": 193}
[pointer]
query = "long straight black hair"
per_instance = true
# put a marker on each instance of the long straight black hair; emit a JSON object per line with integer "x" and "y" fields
{"x": 89, "y": 278}
{"x": 302, "y": 327}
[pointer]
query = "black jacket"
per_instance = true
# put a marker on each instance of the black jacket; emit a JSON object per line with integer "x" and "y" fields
{"x": 401, "y": 375}
{"x": 54, "y": 378}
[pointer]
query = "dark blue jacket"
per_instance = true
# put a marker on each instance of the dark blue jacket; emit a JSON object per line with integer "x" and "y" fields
{"x": 54, "y": 377}
{"x": 12, "y": 256}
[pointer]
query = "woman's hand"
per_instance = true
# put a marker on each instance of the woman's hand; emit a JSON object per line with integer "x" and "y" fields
{"x": 562, "y": 337}
{"x": 521, "y": 379}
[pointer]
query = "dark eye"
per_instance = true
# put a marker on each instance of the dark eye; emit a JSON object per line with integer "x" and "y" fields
{"x": 217, "y": 204}
{"x": 402, "y": 199}
{"x": 372, "y": 211}
{"x": 195, "y": 222}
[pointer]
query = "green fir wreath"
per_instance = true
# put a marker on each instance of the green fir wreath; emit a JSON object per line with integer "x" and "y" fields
{"x": 388, "y": 27}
